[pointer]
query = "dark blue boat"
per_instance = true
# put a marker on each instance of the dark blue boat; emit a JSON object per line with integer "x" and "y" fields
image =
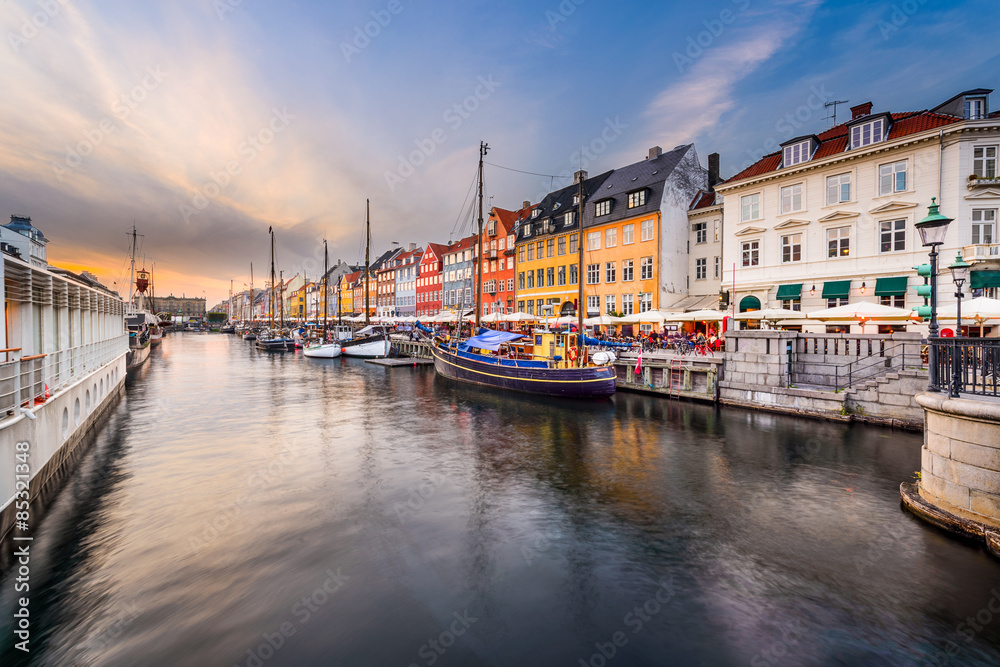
{"x": 552, "y": 376}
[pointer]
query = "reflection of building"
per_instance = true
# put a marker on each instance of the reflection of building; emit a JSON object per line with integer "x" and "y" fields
{"x": 182, "y": 305}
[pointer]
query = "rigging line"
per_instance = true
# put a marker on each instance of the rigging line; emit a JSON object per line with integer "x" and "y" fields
{"x": 461, "y": 209}
{"x": 521, "y": 171}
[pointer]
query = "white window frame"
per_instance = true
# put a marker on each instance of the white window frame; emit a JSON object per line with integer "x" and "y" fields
{"x": 610, "y": 304}
{"x": 792, "y": 198}
{"x": 790, "y": 241}
{"x": 646, "y": 268}
{"x": 750, "y": 207}
{"x": 700, "y": 232}
{"x": 701, "y": 268}
{"x": 975, "y": 108}
{"x": 891, "y": 171}
{"x": 593, "y": 303}
{"x": 835, "y": 189}
{"x": 842, "y": 235}
{"x": 594, "y": 274}
{"x": 610, "y": 272}
{"x": 984, "y": 220}
{"x": 637, "y": 198}
{"x": 796, "y": 153}
{"x": 985, "y": 165}
{"x": 750, "y": 253}
{"x": 645, "y": 302}
{"x": 611, "y": 237}
{"x": 628, "y": 270}
{"x": 628, "y": 234}
{"x": 628, "y": 304}
{"x": 646, "y": 230}
{"x": 895, "y": 238}
{"x": 866, "y": 134}
{"x": 602, "y": 208}
{"x": 593, "y": 241}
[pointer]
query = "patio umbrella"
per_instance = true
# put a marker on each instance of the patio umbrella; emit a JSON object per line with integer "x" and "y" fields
{"x": 519, "y": 317}
{"x": 647, "y": 317}
{"x": 701, "y": 316}
{"x": 601, "y": 321}
{"x": 862, "y": 312}
{"x": 773, "y": 315}
{"x": 976, "y": 310}
{"x": 491, "y": 318}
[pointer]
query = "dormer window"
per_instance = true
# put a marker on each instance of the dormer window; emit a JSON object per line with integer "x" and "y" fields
{"x": 602, "y": 208}
{"x": 975, "y": 108}
{"x": 527, "y": 229}
{"x": 796, "y": 153}
{"x": 865, "y": 134}
{"x": 534, "y": 214}
{"x": 576, "y": 199}
{"x": 637, "y": 198}
{"x": 568, "y": 218}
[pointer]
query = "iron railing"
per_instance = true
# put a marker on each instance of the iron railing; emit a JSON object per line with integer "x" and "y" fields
{"x": 875, "y": 358}
{"x": 978, "y": 365}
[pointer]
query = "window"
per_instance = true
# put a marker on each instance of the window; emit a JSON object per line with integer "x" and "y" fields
{"x": 610, "y": 270}
{"x": 838, "y": 189}
{"x": 530, "y": 284}
{"x": 527, "y": 226}
{"x": 628, "y": 270}
{"x": 700, "y": 232}
{"x": 500, "y": 285}
{"x": 574, "y": 242}
{"x": 749, "y": 207}
{"x": 751, "y": 253}
{"x": 602, "y": 207}
{"x": 610, "y": 306}
{"x": 562, "y": 275}
{"x": 573, "y": 271}
{"x": 646, "y": 268}
{"x": 531, "y": 252}
{"x": 593, "y": 240}
{"x": 791, "y": 248}
{"x": 833, "y": 303}
{"x": 593, "y": 305}
{"x": 867, "y": 133}
{"x": 796, "y": 153}
{"x": 718, "y": 266}
{"x": 984, "y": 222}
{"x": 491, "y": 228}
{"x": 500, "y": 244}
{"x": 550, "y": 248}
{"x": 984, "y": 161}
{"x": 520, "y": 306}
{"x": 892, "y": 235}
{"x": 520, "y": 253}
{"x": 637, "y": 198}
{"x": 627, "y": 304}
{"x": 539, "y": 249}
{"x": 593, "y": 274}
{"x": 531, "y": 307}
{"x": 540, "y": 277}
{"x": 611, "y": 238}
{"x": 791, "y": 198}
{"x": 468, "y": 295}
{"x": 569, "y": 218}
{"x": 700, "y": 268}
{"x": 646, "y": 233}
{"x": 550, "y": 276}
{"x": 628, "y": 234}
{"x": 562, "y": 245}
{"x": 975, "y": 108}
{"x": 838, "y": 242}
{"x": 892, "y": 177}
{"x": 535, "y": 212}
{"x": 896, "y": 301}
{"x": 792, "y": 304}
{"x": 645, "y": 302}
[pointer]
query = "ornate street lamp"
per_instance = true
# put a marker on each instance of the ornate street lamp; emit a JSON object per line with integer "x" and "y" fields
{"x": 932, "y": 230}
{"x": 959, "y": 275}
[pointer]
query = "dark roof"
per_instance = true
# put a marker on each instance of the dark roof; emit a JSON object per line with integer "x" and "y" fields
{"x": 704, "y": 200}
{"x": 975, "y": 92}
{"x": 650, "y": 174}
{"x": 555, "y": 204}
{"x": 834, "y": 140}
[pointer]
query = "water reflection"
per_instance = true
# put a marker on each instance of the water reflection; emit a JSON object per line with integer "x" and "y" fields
{"x": 466, "y": 527}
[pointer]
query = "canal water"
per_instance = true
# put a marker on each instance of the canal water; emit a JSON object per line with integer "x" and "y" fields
{"x": 248, "y": 509}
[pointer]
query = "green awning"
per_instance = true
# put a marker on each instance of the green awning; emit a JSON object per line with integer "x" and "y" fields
{"x": 836, "y": 289}
{"x": 788, "y": 292}
{"x": 984, "y": 279}
{"x": 890, "y": 286}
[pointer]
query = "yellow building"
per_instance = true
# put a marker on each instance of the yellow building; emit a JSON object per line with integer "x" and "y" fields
{"x": 345, "y": 290}
{"x": 621, "y": 265}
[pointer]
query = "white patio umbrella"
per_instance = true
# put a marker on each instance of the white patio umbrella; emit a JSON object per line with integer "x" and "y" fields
{"x": 862, "y": 312}
{"x": 491, "y": 318}
{"x": 600, "y": 321}
{"x": 519, "y": 317}
{"x": 772, "y": 314}
{"x": 648, "y": 317}
{"x": 977, "y": 311}
{"x": 700, "y": 316}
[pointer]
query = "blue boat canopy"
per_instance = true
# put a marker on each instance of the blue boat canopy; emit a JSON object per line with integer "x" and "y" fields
{"x": 488, "y": 339}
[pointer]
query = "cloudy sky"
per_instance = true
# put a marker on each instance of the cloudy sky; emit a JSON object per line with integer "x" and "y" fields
{"x": 204, "y": 122}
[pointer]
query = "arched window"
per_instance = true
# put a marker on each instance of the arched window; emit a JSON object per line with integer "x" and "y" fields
{"x": 749, "y": 303}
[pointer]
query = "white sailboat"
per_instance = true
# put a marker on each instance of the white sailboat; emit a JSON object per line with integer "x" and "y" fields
{"x": 368, "y": 343}
{"x": 323, "y": 349}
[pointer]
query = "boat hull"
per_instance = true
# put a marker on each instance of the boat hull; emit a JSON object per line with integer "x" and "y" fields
{"x": 136, "y": 356}
{"x": 276, "y": 344}
{"x": 373, "y": 347}
{"x": 587, "y": 382}
{"x": 328, "y": 351}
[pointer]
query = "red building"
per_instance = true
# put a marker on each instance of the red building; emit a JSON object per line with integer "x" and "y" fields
{"x": 430, "y": 281}
{"x": 498, "y": 259}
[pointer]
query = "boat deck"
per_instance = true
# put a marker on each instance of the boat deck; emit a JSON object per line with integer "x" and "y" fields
{"x": 397, "y": 361}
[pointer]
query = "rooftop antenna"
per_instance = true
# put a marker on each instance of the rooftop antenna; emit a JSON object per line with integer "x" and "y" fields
{"x": 833, "y": 116}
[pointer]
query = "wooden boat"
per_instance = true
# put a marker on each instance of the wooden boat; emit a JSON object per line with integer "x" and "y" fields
{"x": 368, "y": 343}
{"x": 275, "y": 340}
{"x": 322, "y": 349}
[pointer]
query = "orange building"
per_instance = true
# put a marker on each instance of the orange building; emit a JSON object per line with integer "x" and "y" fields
{"x": 498, "y": 259}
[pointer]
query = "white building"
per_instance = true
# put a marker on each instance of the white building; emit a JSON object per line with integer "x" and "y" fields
{"x": 830, "y": 218}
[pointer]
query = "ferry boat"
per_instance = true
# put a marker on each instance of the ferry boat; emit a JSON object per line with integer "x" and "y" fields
{"x": 547, "y": 362}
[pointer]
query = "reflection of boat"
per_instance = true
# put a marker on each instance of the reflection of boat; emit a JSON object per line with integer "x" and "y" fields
{"x": 322, "y": 349}
{"x": 546, "y": 362}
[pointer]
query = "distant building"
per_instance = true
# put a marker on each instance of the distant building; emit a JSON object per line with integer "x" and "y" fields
{"x": 182, "y": 305}
{"x": 24, "y": 240}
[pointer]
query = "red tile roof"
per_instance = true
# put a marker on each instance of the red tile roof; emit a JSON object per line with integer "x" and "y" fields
{"x": 834, "y": 140}
{"x": 702, "y": 200}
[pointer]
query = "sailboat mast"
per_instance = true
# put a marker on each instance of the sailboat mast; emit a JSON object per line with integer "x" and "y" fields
{"x": 274, "y": 296}
{"x": 579, "y": 271}
{"x": 326, "y": 286}
{"x": 281, "y": 298}
{"x": 483, "y": 147}
{"x": 253, "y": 301}
{"x": 131, "y": 273}
{"x": 368, "y": 244}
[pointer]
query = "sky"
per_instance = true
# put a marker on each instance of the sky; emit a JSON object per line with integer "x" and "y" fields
{"x": 204, "y": 123}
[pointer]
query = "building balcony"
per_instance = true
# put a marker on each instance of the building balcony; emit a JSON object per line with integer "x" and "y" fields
{"x": 979, "y": 181}
{"x": 981, "y": 252}
{"x": 491, "y": 253}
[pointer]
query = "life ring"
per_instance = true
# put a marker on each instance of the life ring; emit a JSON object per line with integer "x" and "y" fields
{"x": 572, "y": 354}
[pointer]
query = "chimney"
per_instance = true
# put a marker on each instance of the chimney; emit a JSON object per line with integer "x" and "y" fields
{"x": 579, "y": 176}
{"x": 861, "y": 110}
{"x": 713, "y": 171}
{"x": 654, "y": 153}
{"x": 526, "y": 204}
{"x": 413, "y": 246}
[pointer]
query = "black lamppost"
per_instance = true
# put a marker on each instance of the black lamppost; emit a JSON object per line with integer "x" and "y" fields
{"x": 932, "y": 230}
{"x": 959, "y": 274}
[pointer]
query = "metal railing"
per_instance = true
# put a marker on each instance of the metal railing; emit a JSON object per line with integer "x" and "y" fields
{"x": 875, "y": 359}
{"x": 978, "y": 361}
{"x": 27, "y": 381}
